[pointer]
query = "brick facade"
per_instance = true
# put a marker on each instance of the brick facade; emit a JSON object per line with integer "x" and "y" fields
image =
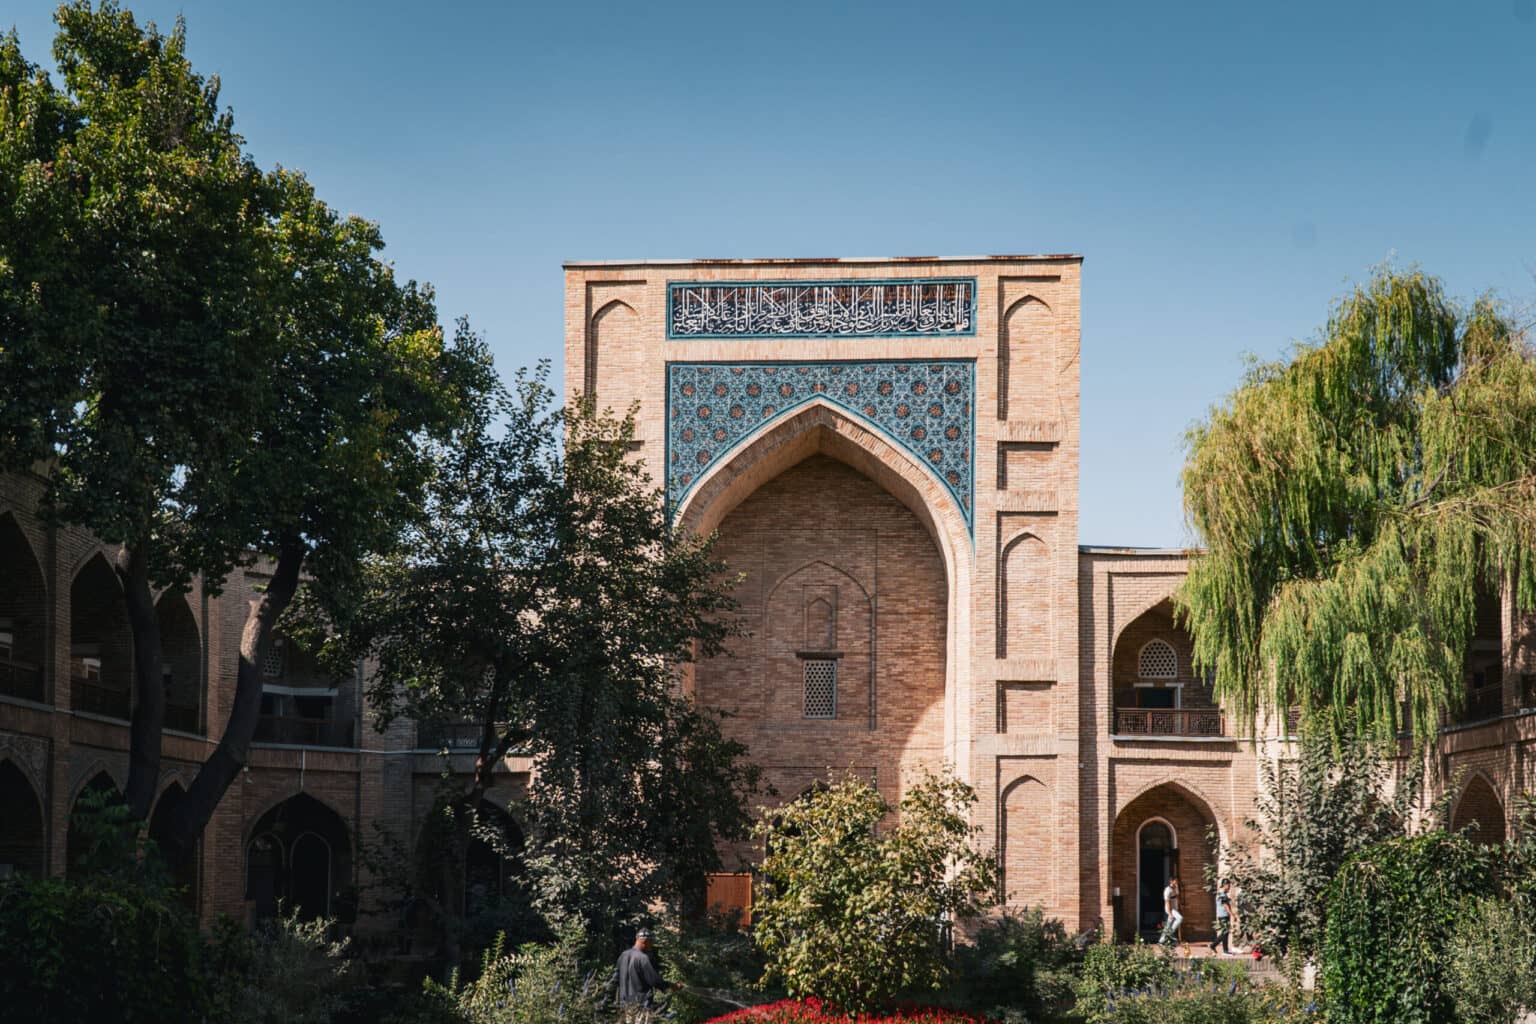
{"x": 888, "y": 450}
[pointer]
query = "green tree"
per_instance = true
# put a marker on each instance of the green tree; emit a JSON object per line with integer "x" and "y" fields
{"x": 1312, "y": 815}
{"x": 1352, "y": 499}
{"x": 1392, "y": 911}
{"x": 857, "y": 916}
{"x": 209, "y": 364}
{"x": 544, "y": 599}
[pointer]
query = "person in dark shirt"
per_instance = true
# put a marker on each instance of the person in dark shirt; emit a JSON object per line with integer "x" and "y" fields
{"x": 637, "y": 977}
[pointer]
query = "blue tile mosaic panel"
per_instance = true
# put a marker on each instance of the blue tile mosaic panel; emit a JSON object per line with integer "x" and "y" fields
{"x": 926, "y": 408}
{"x": 911, "y": 308}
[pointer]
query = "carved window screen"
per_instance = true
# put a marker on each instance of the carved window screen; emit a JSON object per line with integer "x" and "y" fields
{"x": 820, "y": 688}
{"x": 1157, "y": 661}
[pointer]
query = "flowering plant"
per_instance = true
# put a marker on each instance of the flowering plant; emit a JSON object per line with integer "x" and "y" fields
{"x": 814, "y": 1011}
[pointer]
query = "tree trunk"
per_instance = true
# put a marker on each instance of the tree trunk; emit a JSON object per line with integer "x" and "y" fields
{"x": 132, "y": 567}
{"x": 228, "y": 758}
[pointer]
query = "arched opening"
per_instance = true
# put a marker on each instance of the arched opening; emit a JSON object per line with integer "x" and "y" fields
{"x": 299, "y": 856}
{"x": 1480, "y": 810}
{"x": 1156, "y": 690}
{"x": 1164, "y": 833}
{"x": 470, "y": 863}
{"x": 1028, "y": 847}
{"x": 23, "y": 600}
{"x": 21, "y": 825}
{"x": 847, "y": 600}
{"x": 182, "y": 864}
{"x": 90, "y": 822}
{"x": 181, "y": 656}
{"x": 100, "y": 643}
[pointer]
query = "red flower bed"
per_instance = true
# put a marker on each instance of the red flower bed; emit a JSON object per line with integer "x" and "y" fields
{"x": 814, "y": 1011}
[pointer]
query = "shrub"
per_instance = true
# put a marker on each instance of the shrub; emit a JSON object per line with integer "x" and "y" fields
{"x": 1017, "y": 967}
{"x": 539, "y": 984}
{"x": 103, "y": 950}
{"x": 1214, "y": 992}
{"x": 856, "y": 916}
{"x": 1491, "y": 975}
{"x": 1391, "y": 914}
{"x": 719, "y": 967}
{"x": 287, "y": 971}
{"x": 1112, "y": 971}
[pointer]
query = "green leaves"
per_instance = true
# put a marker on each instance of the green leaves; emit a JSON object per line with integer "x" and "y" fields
{"x": 855, "y": 917}
{"x": 1352, "y": 501}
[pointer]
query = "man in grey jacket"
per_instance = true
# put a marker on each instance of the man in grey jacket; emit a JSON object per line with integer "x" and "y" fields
{"x": 637, "y": 977}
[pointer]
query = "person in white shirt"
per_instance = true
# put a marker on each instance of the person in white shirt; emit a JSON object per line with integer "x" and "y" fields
{"x": 1171, "y": 908}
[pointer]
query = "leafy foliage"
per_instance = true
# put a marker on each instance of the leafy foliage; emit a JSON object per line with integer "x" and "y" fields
{"x": 287, "y": 970}
{"x": 1015, "y": 967}
{"x": 539, "y": 984}
{"x": 813, "y": 1011}
{"x": 1491, "y": 973}
{"x": 102, "y": 949}
{"x": 1392, "y": 911}
{"x": 714, "y": 967}
{"x": 1208, "y": 993}
{"x": 856, "y": 916}
{"x": 1311, "y": 816}
{"x": 1353, "y": 500}
{"x": 1112, "y": 971}
{"x": 543, "y": 598}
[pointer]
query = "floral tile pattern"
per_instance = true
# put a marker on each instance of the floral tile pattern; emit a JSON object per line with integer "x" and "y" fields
{"x": 925, "y": 408}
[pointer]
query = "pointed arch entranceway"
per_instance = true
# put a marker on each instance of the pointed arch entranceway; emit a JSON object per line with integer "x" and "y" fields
{"x": 1163, "y": 833}
{"x": 299, "y": 855}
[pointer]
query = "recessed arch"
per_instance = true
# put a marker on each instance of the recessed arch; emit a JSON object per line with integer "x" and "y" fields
{"x": 78, "y": 845}
{"x": 181, "y": 654}
{"x": 1024, "y": 607}
{"x": 613, "y": 337}
{"x": 182, "y": 864}
{"x": 1028, "y": 811}
{"x": 1140, "y": 871}
{"x": 23, "y": 837}
{"x": 300, "y": 854}
{"x": 1479, "y": 808}
{"x": 23, "y": 614}
{"x": 1026, "y": 388}
{"x": 100, "y": 641}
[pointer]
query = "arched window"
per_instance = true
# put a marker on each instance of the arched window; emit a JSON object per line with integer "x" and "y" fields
{"x": 1157, "y": 661}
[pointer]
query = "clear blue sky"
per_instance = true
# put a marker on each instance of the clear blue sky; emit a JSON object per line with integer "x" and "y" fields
{"x": 1226, "y": 169}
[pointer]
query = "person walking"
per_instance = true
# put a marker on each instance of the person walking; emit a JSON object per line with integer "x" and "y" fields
{"x": 1225, "y": 918}
{"x": 638, "y": 979}
{"x": 1171, "y": 908}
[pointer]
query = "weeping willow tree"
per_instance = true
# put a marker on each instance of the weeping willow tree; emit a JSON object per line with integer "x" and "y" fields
{"x": 1352, "y": 500}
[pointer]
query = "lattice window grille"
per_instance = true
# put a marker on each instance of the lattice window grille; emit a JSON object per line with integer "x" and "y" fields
{"x": 1157, "y": 661}
{"x": 820, "y": 689}
{"x": 272, "y": 659}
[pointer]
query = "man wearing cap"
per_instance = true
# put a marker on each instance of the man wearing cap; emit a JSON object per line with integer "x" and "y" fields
{"x": 637, "y": 977}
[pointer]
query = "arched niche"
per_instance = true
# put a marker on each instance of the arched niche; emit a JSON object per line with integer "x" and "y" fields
{"x": 1027, "y": 386}
{"x": 1028, "y": 847}
{"x": 615, "y": 353}
{"x": 87, "y": 821}
{"x": 181, "y": 657}
{"x": 299, "y": 854}
{"x": 23, "y": 615}
{"x": 1024, "y": 600}
{"x": 22, "y": 838}
{"x": 1140, "y": 867}
{"x": 100, "y": 642}
{"x": 1480, "y": 810}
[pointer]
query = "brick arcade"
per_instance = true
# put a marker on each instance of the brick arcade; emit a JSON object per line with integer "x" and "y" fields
{"x": 888, "y": 451}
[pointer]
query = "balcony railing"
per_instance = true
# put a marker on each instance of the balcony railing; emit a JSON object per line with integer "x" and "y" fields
{"x": 19, "y": 679}
{"x": 450, "y": 735}
{"x": 303, "y": 732}
{"x": 1483, "y": 703}
{"x": 99, "y": 698}
{"x": 1169, "y": 722}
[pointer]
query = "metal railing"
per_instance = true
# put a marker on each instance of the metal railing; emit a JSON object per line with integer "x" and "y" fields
{"x": 100, "y": 698}
{"x": 303, "y": 732}
{"x": 1483, "y": 703}
{"x": 1169, "y": 722}
{"x": 449, "y": 735}
{"x": 20, "y": 679}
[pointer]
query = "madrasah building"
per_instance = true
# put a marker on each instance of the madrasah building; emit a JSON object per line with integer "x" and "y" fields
{"x": 888, "y": 451}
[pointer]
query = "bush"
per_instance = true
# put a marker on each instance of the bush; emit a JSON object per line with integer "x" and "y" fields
{"x": 814, "y": 1011}
{"x": 1214, "y": 992}
{"x": 1491, "y": 976}
{"x": 539, "y": 984}
{"x": 857, "y": 916}
{"x": 287, "y": 971}
{"x": 1016, "y": 968}
{"x": 99, "y": 951}
{"x": 1111, "y": 971}
{"x": 720, "y": 967}
{"x": 1391, "y": 915}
